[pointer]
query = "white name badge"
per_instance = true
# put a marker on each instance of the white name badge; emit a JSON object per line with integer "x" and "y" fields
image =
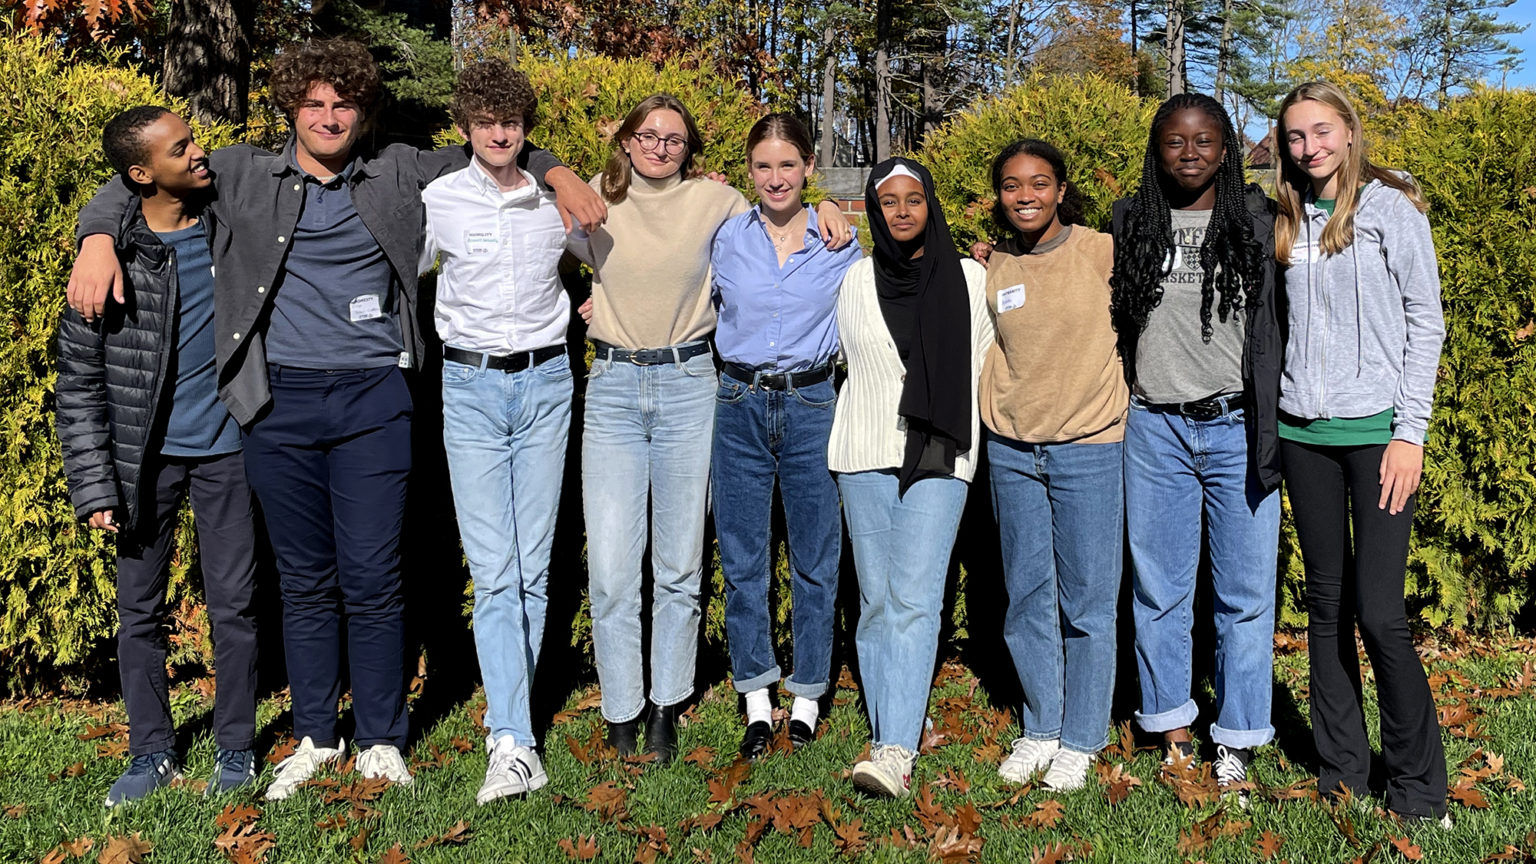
{"x": 479, "y": 242}
{"x": 1010, "y": 298}
{"x": 364, "y": 308}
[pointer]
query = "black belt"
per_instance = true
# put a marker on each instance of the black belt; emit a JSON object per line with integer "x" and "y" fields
{"x": 1208, "y": 408}
{"x": 507, "y": 363}
{"x": 777, "y": 380}
{"x": 650, "y": 356}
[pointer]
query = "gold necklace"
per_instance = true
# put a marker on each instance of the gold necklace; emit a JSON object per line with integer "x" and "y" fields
{"x": 779, "y": 240}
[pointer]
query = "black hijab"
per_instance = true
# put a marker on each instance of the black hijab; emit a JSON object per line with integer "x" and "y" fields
{"x": 926, "y": 306}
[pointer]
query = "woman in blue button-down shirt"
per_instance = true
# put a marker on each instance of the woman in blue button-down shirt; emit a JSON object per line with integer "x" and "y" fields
{"x": 776, "y": 284}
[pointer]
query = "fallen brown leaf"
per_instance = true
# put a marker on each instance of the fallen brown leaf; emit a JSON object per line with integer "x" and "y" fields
{"x": 394, "y": 855}
{"x": 1047, "y": 814}
{"x": 1268, "y": 845}
{"x": 585, "y": 848}
{"x": 1405, "y": 847}
{"x": 129, "y": 849}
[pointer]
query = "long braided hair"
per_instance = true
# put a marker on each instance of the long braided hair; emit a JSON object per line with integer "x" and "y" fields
{"x": 1231, "y": 259}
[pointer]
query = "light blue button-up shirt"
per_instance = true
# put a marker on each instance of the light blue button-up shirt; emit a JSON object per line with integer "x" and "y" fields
{"x": 776, "y": 319}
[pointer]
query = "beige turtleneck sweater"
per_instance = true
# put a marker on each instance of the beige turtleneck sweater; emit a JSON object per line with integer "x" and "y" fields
{"x": 650, "y": 261}
{"x": 1053, "y": 375}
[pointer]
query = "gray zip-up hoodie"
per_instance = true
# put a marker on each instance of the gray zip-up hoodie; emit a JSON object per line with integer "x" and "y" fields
{"x": 1365, "y": 325}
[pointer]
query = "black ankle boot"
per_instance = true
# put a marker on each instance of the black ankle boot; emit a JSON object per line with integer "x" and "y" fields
{"x": 621, "y": 736}
{"x": 661, "y": 733}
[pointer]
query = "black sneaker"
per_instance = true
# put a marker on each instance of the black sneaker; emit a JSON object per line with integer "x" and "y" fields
{"x": 1231, "y": 770}
{"x": 1179, "y": 751}
{"x": 145, "y": 774}
{"x": 232, "y": 770}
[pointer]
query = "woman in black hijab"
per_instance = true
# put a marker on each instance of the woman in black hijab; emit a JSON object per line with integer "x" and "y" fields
{"x": 914, "y": 327}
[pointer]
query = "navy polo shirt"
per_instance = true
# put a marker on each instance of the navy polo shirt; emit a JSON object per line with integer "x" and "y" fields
{"x": 336, "y": 304}
{"x": 198, "y": 424}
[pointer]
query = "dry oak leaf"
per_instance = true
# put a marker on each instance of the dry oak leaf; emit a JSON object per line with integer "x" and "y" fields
{"x": 701, "y": 756}
{"x": 1268, "y": 845}
{"x": 952, "y": 846}
{"x": 705, "y": 821}
{"x": 584, "y": 848}
{"x": 722, "y": 787}
{"x": 129, "y": 849}
{"x": 454, "y": 836}
{"x": 1469, "y": 797}
{"x": 113, "y": 730}
{"x": 394, "y": 855}
{"x": 1117, "y": 784}
{"x": 1200, "y": 835}
{"x": 607, "y": 801}
{"x": 849, "y": 837}
{"x": 1046, "y": 815}
{"x": 1405, "y": 847}
{"x": 15, "y": 811}
{"x": 236, "y": 814}
{"x": 1052, "y": 853}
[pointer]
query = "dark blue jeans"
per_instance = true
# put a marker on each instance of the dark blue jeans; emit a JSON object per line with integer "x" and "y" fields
{"x": 329, "y": 464}
{"x": 761, "y": 435}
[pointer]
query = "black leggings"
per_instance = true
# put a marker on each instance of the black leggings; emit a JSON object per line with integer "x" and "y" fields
{"x": 1332, "y": 489}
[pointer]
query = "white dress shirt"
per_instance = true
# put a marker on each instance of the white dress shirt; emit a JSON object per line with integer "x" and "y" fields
{"x": 499, "y": 290}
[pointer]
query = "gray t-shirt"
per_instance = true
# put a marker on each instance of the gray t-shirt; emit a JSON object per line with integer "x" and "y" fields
{"x": 1173, "y": 362}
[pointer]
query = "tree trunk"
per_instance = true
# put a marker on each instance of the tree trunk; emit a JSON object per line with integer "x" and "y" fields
{"x": 1224, "y": 49}
{"x": 1447, "y": 53}
{"x": 882, "y": 80}
{"x": 208, "y": 57}
{"x": 1011, "y": 65}
{"x": 828, "y": 155}
{"x": 1173, "y": 43}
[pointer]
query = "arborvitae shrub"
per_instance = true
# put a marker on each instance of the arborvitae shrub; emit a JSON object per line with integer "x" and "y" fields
{"x": 55, "y": 574}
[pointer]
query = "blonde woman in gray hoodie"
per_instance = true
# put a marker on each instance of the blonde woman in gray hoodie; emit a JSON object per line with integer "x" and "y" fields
{"x": 1358, "y": 380}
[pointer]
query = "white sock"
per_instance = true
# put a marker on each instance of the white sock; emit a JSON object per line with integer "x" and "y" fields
{"x": 804, "y": 710}
{"x": 759, "y": 709}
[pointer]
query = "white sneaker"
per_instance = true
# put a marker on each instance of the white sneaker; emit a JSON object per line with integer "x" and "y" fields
{"x": 513, "y": 770}
{"x": 296, "y": 770}
{"x": 1029, "y": 755}
{"x": 384, "y": 760}
{"x": 886, "y": 773}
{"x": 1068, "y": 771}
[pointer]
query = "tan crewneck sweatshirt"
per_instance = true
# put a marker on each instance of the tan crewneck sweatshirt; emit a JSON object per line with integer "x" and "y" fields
{"x": 650, "y": 261}
{"x": 1053, "y": 375}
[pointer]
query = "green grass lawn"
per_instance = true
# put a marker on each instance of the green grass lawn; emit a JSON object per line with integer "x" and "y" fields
{"x": 787, "y": 808}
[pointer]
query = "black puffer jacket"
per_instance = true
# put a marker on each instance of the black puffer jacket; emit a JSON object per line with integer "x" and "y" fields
{"x": 112, "y": 376}
{"x": 1265, "y": 348}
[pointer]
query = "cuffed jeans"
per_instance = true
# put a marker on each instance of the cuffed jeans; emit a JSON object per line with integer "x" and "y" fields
{"x": 505, "y": 434}
{"x": 759, "y": 435}
{"x": 645, "y": 448}
{"x": 1058, "y": 510}
{"x": 329, "y": 463}
{"x": 226, "y": 545}
{"x": 1355, "y": 555}
{"x": 901, "y": 550}
{"x": 1179, "y": 471}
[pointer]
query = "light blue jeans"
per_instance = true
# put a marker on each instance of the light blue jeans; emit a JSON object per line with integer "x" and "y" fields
{"x": 505, "y": 434}
{"x": 1059, "y": 510}
{"x": 901, "y": 549}
{"x": 645, "y": 454}
{"x": 1179, "y": 471}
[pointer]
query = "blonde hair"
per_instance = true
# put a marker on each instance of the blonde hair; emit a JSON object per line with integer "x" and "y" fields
{"x": 616, "y": 174}
{"x": 1357, "y": 168}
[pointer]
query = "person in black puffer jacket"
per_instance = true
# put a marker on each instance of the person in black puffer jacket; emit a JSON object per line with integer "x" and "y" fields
{"x": 142, "y": 429}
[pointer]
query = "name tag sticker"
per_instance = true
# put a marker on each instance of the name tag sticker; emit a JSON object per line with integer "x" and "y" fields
{"x": 1010, "y": 298}
{"x": 479, "y": 242}
{"x": 364, "y": 308}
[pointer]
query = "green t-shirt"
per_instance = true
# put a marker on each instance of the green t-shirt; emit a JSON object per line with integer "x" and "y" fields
{"x": 1338, "y": 431}
{"x": 1324, "y": 204}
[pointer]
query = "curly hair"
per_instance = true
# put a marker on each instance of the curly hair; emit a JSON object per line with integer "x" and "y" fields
{"x": 616, "y": 174}
{"x": 344, "y": 64}
{"x": 122, "y": 139}
{"x": 1231, "y": 260}
{"x": 494, "y": 88}
{"x": 1068, "y": 212}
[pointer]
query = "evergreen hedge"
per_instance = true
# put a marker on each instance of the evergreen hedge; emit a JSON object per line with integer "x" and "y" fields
{"x": 1475, "y": 539}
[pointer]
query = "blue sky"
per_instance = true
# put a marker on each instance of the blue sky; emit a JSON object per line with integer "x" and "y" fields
{"x": 1523, "y": 12}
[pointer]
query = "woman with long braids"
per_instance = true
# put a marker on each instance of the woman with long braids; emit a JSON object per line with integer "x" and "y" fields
{"x": 1194, "y": 307}
{"x": 1053, "y": 399}
{"x": 914, "y": 327}
{"x": 650, "y": 412}
{"x": 1365, "y": 332}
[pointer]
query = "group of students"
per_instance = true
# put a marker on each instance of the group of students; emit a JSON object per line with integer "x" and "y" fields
{"x": 1109, "y": 399}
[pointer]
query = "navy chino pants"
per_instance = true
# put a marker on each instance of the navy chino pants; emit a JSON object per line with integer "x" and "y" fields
{"x": 329, "y": 463}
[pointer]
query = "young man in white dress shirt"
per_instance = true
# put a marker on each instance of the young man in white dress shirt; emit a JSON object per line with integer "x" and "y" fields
{"x": 502, "y": 316}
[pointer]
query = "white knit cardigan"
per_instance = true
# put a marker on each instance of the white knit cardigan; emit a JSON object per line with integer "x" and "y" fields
{"x": 867, "y": 432}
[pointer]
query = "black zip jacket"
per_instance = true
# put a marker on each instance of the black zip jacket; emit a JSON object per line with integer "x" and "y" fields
{"x": 112, "y": 375}
{"x": 1265, "y": 348}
